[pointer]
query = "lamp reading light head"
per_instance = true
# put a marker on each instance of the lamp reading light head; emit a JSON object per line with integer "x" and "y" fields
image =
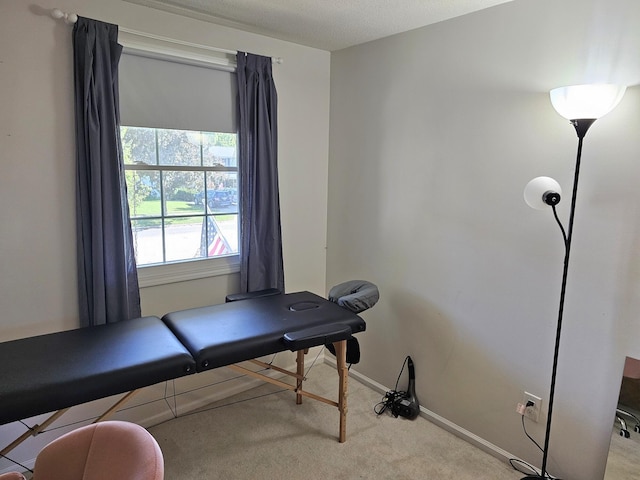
{"x": 542, "y": 192}
{"x": 551, "y": 198}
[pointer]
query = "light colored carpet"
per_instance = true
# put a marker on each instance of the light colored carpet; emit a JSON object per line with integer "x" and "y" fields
{"x": 263, "y": 434}
{"x": 623, "y": 462}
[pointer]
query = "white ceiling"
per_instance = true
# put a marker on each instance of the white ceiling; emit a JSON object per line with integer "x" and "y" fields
{"x": 324, "y": 24}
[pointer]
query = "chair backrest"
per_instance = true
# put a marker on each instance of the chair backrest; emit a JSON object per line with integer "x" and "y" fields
{"x": 102, "y": 451}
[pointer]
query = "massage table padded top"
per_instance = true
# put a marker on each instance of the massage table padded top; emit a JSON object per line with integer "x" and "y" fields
{"x": 232, "y": 332}
{"x": 49, "y": 372}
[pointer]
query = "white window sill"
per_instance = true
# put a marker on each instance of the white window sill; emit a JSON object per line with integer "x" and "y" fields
{"x": 179, "y": 272}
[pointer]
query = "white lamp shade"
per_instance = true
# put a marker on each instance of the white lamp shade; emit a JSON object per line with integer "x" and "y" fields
{"x": 578, "y": 102}
{"x": 535, "y": 190}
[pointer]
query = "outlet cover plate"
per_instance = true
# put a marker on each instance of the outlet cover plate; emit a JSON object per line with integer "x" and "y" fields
{"x": 532, "y": 413}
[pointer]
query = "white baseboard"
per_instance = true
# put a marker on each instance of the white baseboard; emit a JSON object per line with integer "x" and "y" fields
{"x": 433, "y": 417}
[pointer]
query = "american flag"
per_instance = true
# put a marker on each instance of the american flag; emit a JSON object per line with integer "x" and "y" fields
{"x": 212, "y": 241}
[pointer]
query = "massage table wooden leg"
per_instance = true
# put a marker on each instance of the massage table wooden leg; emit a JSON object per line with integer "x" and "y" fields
{"x": 115, "y": 406}
{"x": 343, "y": 375}
{"x": 300, "y": 372}
{"x": 33, "y": 431}
{"x": 38, "y": 429}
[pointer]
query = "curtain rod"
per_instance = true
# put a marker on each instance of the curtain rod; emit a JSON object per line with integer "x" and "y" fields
{"x": 71, "y": 18}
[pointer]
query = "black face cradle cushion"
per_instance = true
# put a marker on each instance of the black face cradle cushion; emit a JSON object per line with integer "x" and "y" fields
{"x": 353, "y": 350}
{"x": 355, "y": 295}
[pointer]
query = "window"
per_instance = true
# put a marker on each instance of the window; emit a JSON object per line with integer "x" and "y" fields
{"x": 182, "y": 188}
{"x": 179, "y": 145}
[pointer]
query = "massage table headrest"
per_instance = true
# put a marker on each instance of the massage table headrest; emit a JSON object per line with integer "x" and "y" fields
{"x": 355, "y": 295}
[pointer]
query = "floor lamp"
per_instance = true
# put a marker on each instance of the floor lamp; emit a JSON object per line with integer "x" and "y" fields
{"x": 581, "y": 105}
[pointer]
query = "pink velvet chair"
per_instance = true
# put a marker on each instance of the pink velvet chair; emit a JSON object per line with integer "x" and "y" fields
{"x": 100, "y": 451}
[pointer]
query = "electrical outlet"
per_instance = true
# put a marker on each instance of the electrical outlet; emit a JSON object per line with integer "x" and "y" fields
{"x": 532, "y": 412}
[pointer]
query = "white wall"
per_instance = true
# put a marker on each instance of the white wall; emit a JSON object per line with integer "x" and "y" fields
{"x": 37, "y": 171}
{"x": 434, "y": 134}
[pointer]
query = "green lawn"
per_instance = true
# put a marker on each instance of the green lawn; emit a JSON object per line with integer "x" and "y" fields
{"x": 152, "y": 208}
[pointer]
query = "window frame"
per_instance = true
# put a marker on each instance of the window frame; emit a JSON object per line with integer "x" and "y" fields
{"x": 186, "y": 269}
{"x": 162, "y": 274}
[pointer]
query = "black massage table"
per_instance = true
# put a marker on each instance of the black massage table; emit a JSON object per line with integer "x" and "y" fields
{"x": 53, "y": 372}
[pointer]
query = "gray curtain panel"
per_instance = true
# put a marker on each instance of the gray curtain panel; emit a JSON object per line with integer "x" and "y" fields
{"x": 107, "y": 276}
{"x": 261, "y": 264}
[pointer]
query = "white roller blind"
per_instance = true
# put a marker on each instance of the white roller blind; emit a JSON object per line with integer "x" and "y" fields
{"x": 161, "y": 93}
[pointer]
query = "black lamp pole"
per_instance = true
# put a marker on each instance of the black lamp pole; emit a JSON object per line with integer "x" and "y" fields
{"x": 581, "y": 127}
